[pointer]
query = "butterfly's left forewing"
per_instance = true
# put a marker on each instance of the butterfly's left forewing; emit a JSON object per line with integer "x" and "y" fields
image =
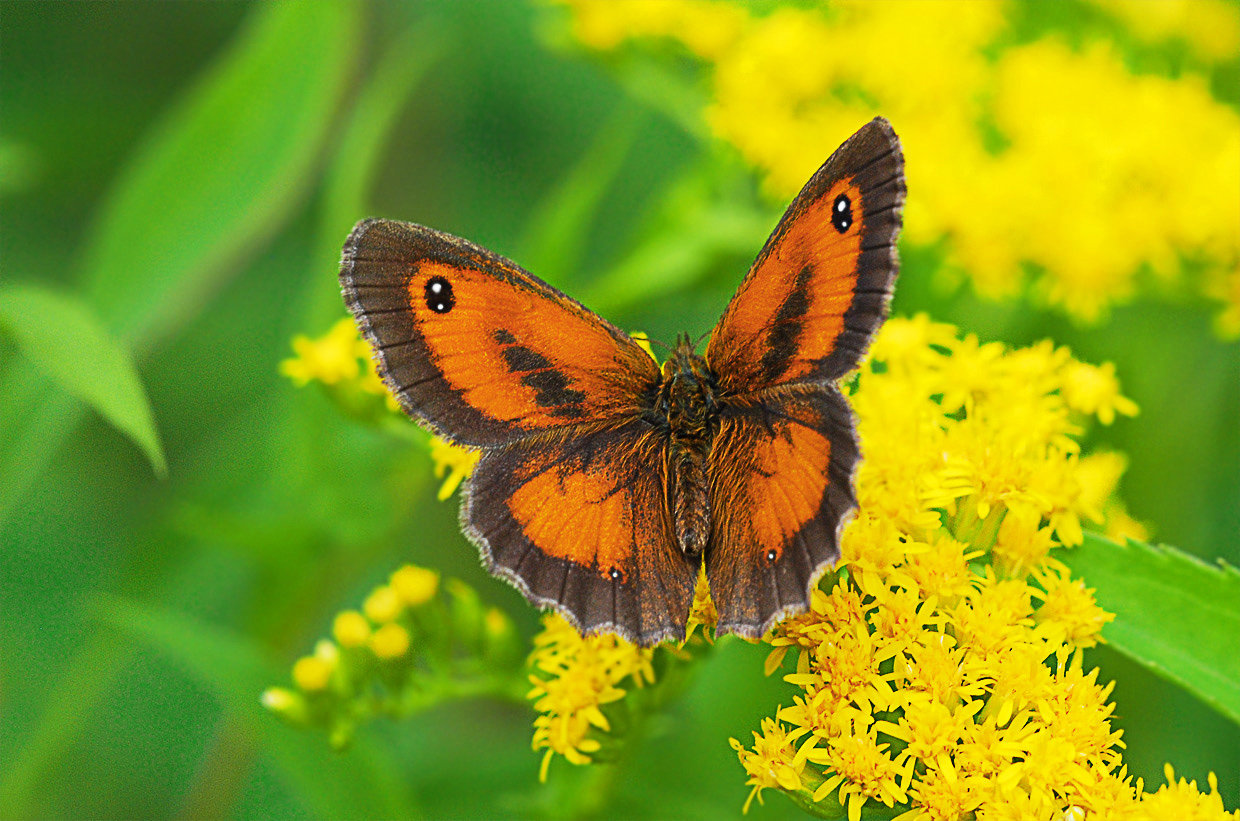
{"x": 479, "y": 349}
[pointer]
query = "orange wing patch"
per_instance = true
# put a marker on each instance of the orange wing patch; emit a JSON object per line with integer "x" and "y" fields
{"x": 581, "y": 517}
{"x": 790, "y": 476}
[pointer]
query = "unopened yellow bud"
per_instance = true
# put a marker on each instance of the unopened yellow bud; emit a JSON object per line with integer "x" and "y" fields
{"x": 415, "y": 585}
{"x": 383, "y": 605}
{"x": 390, "y": 641}
{"x": 351, "y": 629}
{"x": 312, "y": 673}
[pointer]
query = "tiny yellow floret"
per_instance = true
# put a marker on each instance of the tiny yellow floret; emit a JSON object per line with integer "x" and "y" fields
{"x": 312, "y": 673}
{"x": 382, "y": 605}
{"x": 390, "y": 641}
{"x": 415, "y": 585}
{"x": 351, "y": 629}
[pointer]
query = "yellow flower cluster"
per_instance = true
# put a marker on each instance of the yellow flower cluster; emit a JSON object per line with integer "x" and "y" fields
{"x": 1037, "y": 154}
{"x": 373, "y": 642}
{"x": 574, "y": 676}
{"x": 941, "y": 673}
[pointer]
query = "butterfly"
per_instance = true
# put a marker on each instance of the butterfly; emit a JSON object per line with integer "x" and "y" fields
{"x": 605, "y": 481}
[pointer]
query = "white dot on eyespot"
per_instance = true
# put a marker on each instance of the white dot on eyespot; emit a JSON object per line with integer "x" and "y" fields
{"x": 436, "y": 287}
{"x": 840, "y": 206}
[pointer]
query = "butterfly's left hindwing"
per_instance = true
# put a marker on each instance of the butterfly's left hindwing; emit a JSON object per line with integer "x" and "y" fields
{"x": 578, "y": 522}
{"x": 781, "y": 488}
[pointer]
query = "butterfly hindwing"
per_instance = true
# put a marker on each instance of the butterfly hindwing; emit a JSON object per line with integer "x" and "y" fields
{"x": 819, "y": 288}
{"x": 578, "y": 522}
{"x": 781, "y": 488}
{"x": 480, "y": 349}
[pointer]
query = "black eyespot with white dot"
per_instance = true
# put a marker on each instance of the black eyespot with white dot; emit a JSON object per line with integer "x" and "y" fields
{"x": 439, "y": 295}
{"x": 841, "y": 213}
{"x": 616, "y": 575}
{"x": 771, "y": 555}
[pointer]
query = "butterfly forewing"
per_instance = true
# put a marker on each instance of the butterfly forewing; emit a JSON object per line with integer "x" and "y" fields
{"x": 477, "y": 347}
{"x": 819, "y": 288}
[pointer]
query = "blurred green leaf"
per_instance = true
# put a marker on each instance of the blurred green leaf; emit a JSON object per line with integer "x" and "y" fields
{"x": 224, "y": 168}
{"x": 351, "y": 174}
{"x": 1175, "y": 614}
{"x": 555, "y": 240}
{"x": 700, "y": 226}
{"x": 65, "y": 338}
{"x": 217, "y": 175}
{"x": 365, "y": 785}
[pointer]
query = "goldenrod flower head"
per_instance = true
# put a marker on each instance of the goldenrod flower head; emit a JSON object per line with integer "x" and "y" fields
{"x": 940, "y": 671}
{"x": 312, "y": 673}
{"x": 1097, "y": 172}
{"x": 414, "y": 585}
{"x": 771, "y": 763}
{"x": 383, "y": 605}
{"x": 351, "y": 629}
{"x": 329, "y": 359}
{"x": 573, "y": 677}
{"x": 391, "y": 641}
{"x": 1181, "y": 799}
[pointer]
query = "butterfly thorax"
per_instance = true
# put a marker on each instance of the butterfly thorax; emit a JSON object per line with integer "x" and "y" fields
{"x": 689, "y": 404}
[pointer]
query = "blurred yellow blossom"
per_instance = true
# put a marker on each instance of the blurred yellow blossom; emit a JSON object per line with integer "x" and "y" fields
{"x": 351, "y": 629}
{"x": 453, "y": 464}
{"x": 341, "y": 359}
{"x": 330, "y": 359}
{"x": 1025, "y": 155}
{"x": 415, "y": 585}
{"x": 390, "y": 641}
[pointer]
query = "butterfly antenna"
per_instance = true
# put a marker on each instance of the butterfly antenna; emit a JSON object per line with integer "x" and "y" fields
{"x": 662, "y": 345}
{"x": 698, "y": 341}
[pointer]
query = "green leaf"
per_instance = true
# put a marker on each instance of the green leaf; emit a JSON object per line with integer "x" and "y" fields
{"x": 366, "y": 786}
{"x": 1174, "y": 614}
{"x": 216, "y": 176}
{"x": 65, "y": 338}
{"x": 357, "y": 160}
{"x": 223, "y": 169}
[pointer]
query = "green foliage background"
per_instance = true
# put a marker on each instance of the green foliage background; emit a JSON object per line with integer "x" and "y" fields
{"x": 181, "y": 177}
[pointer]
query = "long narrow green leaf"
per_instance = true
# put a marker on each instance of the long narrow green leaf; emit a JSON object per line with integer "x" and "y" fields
{"x": 355, "y": 163}
{"x": 1174, "y": 614}
{"x": 65, "y": 338}
{"x": 235, "y": 671}
{"x": 224, "y": 167}
{"x": 216, "y": 176}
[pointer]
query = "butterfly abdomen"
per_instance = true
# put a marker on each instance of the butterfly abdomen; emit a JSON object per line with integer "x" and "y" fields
{"x": 689, "y": 400}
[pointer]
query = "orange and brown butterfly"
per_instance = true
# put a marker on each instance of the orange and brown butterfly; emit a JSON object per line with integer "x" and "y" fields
{"x": 606, "y": 481}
